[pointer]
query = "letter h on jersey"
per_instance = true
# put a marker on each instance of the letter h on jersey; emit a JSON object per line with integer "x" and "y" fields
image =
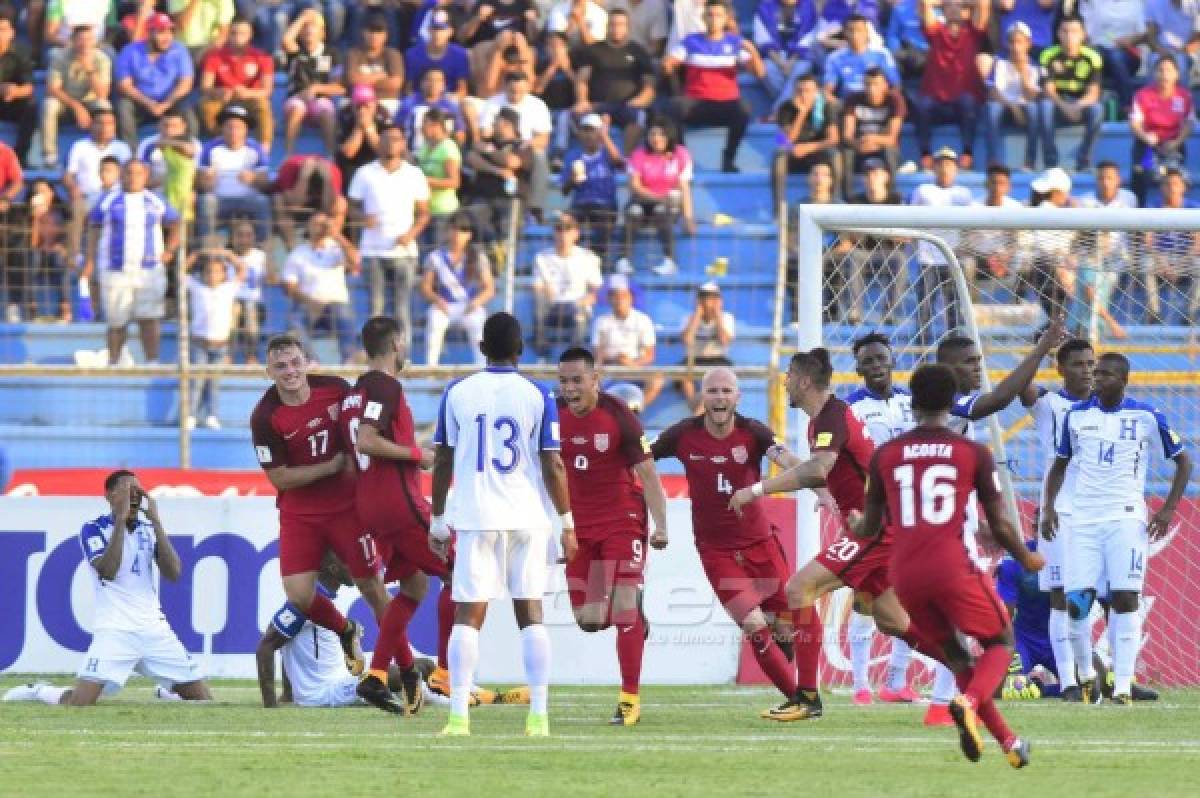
{"x": 1129, "y": 429}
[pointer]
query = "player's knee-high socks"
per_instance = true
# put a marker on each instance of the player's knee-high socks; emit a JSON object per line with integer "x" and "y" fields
{"x": 943, "y": 684}
{"x": 631, "y": 643}
{"x": 806, "y": 640}
{"x": 860, "y": 632}
{"x": 989, "y": 671}
{"x": 1127, "y": 629}
{"x": 772, "y": 660}
{"x": 898, "y": 662}
{"x": 324, "y": 612}
{"x": 1060, "y": 644}
{"x": 1081, "y": 645}
{"x": 393, "y": 637}
{"x": 987, "y": 711}
{"x": 463, "y": 654}
{"x": 445, "y": 611}
{"x": 535, "y": 647}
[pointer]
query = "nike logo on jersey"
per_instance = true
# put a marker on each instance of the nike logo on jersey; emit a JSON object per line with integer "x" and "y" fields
{"x": 293, "y": 434}
{"x": 695, "y": 457}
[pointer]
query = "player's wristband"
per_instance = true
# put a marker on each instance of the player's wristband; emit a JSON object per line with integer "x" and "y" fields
{"x": 756, "y": 490}
{"x": 568, "y": 520}
{"x": 438, "y": 528}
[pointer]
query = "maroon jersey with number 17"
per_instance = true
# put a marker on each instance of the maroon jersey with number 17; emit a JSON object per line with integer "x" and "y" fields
{"x": 600, "y": 451}
{"x": 300, "y": 435}
{"x": 715, "y": 468}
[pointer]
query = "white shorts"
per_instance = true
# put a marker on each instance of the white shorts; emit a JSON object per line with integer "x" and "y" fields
{"x": 1053, "y": 575}
{"x": 1107, "y": 555}
{"x": 341, "y": 693}
{"x": 130, "y": 296}
{"x": 488, "y": 561}
{"x": 156, "y": 653}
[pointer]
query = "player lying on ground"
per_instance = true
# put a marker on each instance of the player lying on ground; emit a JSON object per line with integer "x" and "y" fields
{"x": 924, "y": 485}
{"x": 294, "y": 427}
{"x": 126, "y": 548}
{"x": 722, "y": 451}
{"x": 497, "y": 440}
{"x": 613, "y": 484}
{"x": 1111, "y": 437}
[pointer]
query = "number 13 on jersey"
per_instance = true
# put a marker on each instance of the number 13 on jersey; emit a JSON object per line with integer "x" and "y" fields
{"x": 509, "y": 432}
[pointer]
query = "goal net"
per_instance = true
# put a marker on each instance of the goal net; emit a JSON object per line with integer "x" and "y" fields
{"x": 1127, "y": 280}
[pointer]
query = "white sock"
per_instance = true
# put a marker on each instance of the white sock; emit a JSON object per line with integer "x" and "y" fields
{"x": 860, "y": 631}
{"x": 1128, "y": 632}
{"x": 944, "y": 686}
{"x": 898, "y": 661}
{"x": 1110, "y": 633}
{"x": 535, "y": 648}
{"x": 462, "y": 656}
{"x": 1060, "y": 642}
{"x": 1081, "y": 644}
{"x": 51, "y": 695}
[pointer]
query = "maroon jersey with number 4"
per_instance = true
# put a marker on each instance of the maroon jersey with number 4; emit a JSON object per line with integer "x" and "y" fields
{"x": 715, "y": 468}
{"x": 301, "y": 435}
{"x": 836, "y": 429}
{"x": 929, "y": 479}
{"x": 388, "y": 492}
{"x": 600, "y": 451}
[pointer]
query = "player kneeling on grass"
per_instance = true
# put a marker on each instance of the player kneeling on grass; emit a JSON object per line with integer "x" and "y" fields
{"x": 926, "y": 483}
{"x": 131, "y": 633}
{"x": 612, "y": 481}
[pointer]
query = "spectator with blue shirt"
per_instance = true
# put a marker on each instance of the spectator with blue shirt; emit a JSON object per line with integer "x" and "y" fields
{"x": 784, "y": 33}
{"x": 905, "y": 38}
{"x": 845, "y": 68}
{"x": 1171, "y": 31}
{"x": 439, "y": 52}
{"x": 835, "y": 14}
{"x": 232, "y": 174}
{"x": 1039, "y": 15}
{"x": 589, "y": 177}
{"x": 152, "y": 77}
{"x": 1174, "y": 255}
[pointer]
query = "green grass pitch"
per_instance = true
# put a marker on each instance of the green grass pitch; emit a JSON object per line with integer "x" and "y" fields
{"x": 692, "y": 741}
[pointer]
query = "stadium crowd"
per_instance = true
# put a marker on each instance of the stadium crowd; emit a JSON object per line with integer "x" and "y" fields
{"x": 434, "y": 116}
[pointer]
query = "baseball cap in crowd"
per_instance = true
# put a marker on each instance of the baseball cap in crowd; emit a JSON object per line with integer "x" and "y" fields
{"x": 1019, "y": 27}
{"x": 159, "y": 22}
{"x": 945, "y": 153}
{"x": 376, "y": 22}
{"x": 709, "y": 288}
{"x": 440, "y": 20}
{"x": 362, "y": 94}
{"x": 871, "y": 164}
{"x": 100, "y": 107}
{"x": 1054, "y": 179}
{"x": 234, "y": 111}
{"x": 618, "y": 282}
{"x": 592, "y": 120}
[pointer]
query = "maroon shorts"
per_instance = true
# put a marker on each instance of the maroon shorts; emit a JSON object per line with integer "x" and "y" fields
{"x": 860, "y": 564}
{"x": 602, "y": 563}
{"x": 941, "y": 604}
{"x": 406, "y": 551}
{"x": 304, "y": 539}
{"x": 749, "y": 578}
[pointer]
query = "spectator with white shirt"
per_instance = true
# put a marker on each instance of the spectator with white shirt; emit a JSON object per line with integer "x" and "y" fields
{"x": 1106, "y": 255}
{"x": 458, "y": 286}
{"x": 245, "y": 256}
{"x": 314, "y": 275}
{"x": 232, "y": 176}
{"x": 133, "y": 234}
{"x": 1053, "y": 263}
{"x": 82, "y": 174}
{"x": 212, "y": 296}
{"x": 391, "y": 196}
{"x": 993, "y": 253}
{"x": 943, "y": 192}
{"x": 566, "y": 279}
{"x": 534, "y": 127}
{"x": 625, "y": 337}
{"x": 707, "y": 334}
{"x": 1013, "y": 88}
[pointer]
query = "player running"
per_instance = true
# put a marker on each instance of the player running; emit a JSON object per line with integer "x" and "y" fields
{"x": 722, "y": 451}
{"x": 1075, "y": 361}
{"x": 130, "y": 632}
{"x": 926, "y": 483}
{"x": 294, "y": 427}
{"x": 377, "y": 428}
{"x": 1110, "y": 437}
{"x": 612, "y": 481}
{"x": 498, "y": 439}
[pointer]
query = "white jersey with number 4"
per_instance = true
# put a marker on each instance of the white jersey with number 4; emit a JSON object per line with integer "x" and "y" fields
{"x": 129, "y": 601}
{"x": 498, "y": 422}
{"x": 884, "y": 418}
{"x": 1113, "y": 447}
{"x": 1048, "y": 413}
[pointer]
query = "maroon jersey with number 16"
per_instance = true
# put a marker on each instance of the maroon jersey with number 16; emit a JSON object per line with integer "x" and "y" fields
{"x": 715, "y": 468}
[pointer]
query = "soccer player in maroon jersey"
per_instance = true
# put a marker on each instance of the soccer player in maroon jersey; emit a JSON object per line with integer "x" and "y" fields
{"x": 722, "y": 451}
{"x": 377, "y": 429}
{"x": 613, "y": 482}
{"x": 297, "y": 444}
{"x": 841, "y": 450}
{"x": 925, "y": 483}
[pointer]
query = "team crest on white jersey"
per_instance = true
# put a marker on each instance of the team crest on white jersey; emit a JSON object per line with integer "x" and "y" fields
{"x": 602, "y": 441}
{"x": 740, "y": 455}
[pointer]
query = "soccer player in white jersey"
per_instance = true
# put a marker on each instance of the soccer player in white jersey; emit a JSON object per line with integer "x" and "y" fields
{"x": 497, "y": 438}
{"x": 129, "y": 631}
{"x": 1111, "y": 437}
{"x": 1075, "y": 361}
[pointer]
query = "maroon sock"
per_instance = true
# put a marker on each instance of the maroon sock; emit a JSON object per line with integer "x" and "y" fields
{"x": 989, "y": 671}
{"x": 990, "y": 715}
{"x": 806, "y": 640}
{"x": 917, "y": 640}
{"x": 393, "y": 635}
{"x": 631, "y": 642}
{"x": 963, "y": 679}
{"x": 324, "y": 612}
{"x": 445, "y": 612}
{"x": 772, "y": 661}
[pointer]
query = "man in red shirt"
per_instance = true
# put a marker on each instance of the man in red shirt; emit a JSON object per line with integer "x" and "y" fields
{"x": 926, "y": 482}
{"x": 722, "y": 451}
{"x": 951, "y": 88}
{"x": 612, "y": 481}
{"x": 13, "y": 270}
{"x": 294, "y": 428}
{"x": 238, "y": 73}
{"x": 841, "y": 450}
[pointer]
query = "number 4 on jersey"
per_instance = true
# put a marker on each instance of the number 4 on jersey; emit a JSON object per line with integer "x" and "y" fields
{"x": 723, "y": 484}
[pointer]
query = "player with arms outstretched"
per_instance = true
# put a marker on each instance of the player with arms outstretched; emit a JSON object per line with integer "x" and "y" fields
{"x": 294, "y": 427}
{"x": 613, "y": 482}
{"x": 497, "y": 438}
{"x": 1110, "y": 437}
{"x": 722, "y": 451}
{"x": 923, "y": 485}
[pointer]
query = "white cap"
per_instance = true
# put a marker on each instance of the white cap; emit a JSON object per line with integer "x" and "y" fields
{"x": 592, "y": 120}
{"x": 1054, "y": 179}
{"x": 1019, "y": 27}
{"x": 618, "y": 282}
